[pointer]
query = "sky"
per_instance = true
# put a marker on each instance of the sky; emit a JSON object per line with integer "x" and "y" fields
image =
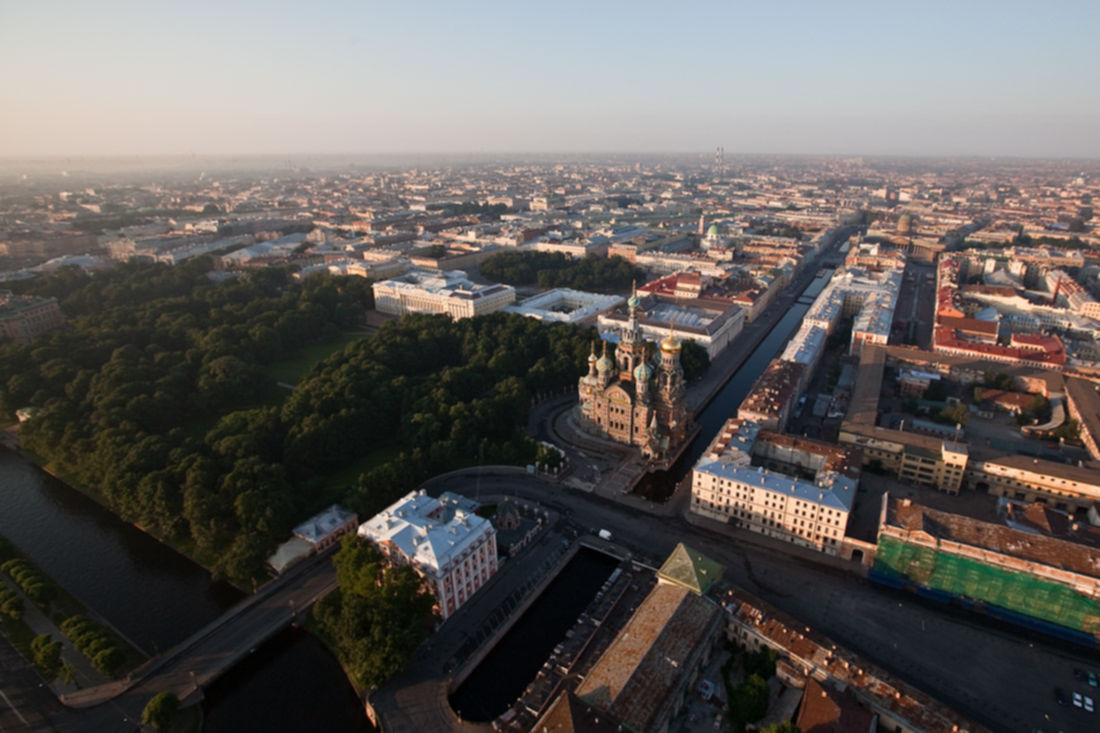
{"x": 968, "y": 77}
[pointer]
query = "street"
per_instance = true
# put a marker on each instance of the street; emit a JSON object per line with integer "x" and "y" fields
{"x": 1000, "y": 676}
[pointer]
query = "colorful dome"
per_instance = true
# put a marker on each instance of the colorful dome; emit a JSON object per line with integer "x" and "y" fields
{"x": 632, "y": 302}
{"x": 670, "y": 344}
{"x": 642, "y": 372}
{"x": 605, "y": 364}
{"x": 712, "y": 231}
{"x": 592, "y": 358}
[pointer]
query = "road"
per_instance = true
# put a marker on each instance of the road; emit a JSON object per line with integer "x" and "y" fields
{"x": 999, "y": 676}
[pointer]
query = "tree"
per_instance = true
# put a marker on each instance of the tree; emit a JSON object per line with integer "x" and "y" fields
{"x": 160, "y": 710}
{"x": 47, "y": 655}
{"x": 750, "y": 701}
{"x": 377, "y": 617}
{"x": 785, "y": 727}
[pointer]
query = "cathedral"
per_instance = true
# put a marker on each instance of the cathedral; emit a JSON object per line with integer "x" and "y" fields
{"x": 633, "y": 401}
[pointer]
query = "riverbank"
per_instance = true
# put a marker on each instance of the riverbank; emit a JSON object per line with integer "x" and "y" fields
{"x": 39, "y": 619}
{"x": 11, "y": 442}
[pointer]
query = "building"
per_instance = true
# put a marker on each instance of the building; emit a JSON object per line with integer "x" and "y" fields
{"x": 869, "y": 297}
{"x": 811, "y": 656}
{"x": 751, "y": 478}
{"x": 451, "y": 547}
{"x": 711, "y": 328}
{"x": 650, "y": 668}
{"x": 1062, "y": 486}
{"x": 564, "y": 305}
{"x": 773, "y": 394}
{"x": 1084, "y": 407}
{"x": 316, "y": 534}
{"x": 1051, "y": 580}
{"x": 631, "y": 400}
{"x": 433, "y": 291}
{"x": 22, "y": 317}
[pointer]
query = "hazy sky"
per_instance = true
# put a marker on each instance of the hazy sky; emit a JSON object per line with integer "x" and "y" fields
{"x": 149, "y": 77}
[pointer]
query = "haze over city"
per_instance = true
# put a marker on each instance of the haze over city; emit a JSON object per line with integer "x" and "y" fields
{"x": 210, "y": 78}
{"x": 468, "y": 367}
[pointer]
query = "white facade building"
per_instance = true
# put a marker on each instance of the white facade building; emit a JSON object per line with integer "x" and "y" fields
{"x": 434, "y": 291}
{"x": 564, "y": 305}
{"x": 725, "y": 486}
{"x": 454, "y": 549}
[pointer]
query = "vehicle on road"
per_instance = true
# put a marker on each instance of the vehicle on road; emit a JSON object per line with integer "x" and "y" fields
{"x": 604, "y": 535}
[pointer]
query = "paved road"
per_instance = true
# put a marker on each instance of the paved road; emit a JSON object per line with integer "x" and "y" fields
{"x": 999, "y": 676}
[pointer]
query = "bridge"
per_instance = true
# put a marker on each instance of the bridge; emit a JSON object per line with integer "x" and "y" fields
{"x": 205, "y": 655}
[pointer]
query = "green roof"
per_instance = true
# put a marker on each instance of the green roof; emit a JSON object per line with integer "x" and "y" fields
{"x": 690, "y": 569}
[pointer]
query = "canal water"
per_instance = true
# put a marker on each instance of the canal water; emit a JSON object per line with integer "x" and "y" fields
{"x": 156, "y": 597}
{"x": 507, "y": 670}
{"x": 291, "y": 683}
{"x": 660, "y": 485}
{"x": 152, "y": 594}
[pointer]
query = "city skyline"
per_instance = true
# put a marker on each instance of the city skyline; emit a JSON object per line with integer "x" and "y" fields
{"x": 122, "y": 78}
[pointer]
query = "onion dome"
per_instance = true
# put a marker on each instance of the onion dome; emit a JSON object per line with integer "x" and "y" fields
{"x": 670, "y": 344}
{"x": 592, "y": 358}
{"x": 605, "y": 364}
{"x": 633, "y": 301}
{"x": 642, "y": 372}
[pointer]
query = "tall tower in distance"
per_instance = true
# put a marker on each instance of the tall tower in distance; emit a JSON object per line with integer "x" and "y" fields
{"x": 720, "y": 161}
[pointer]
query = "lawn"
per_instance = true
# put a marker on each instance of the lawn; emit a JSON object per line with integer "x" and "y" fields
{"x": 289, "y": 371}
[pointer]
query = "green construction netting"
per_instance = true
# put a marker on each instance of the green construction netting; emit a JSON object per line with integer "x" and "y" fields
{"x": 965, "y": 577}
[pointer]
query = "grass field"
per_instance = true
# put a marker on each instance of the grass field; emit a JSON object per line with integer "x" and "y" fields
{"x": 292, "y": 370}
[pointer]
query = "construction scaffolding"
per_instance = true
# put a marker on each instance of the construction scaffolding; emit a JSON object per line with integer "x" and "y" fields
{"x": 969, "y": 579}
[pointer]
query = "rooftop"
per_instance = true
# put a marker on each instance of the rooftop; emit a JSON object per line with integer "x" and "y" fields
{"x": 910, "y": 517}
{"x": 645, "y": 663}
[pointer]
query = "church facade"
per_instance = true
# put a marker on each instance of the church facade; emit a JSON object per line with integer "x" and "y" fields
{"x": 632, "y": 400}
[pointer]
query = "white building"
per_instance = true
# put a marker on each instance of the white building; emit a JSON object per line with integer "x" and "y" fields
{"x": 564, "y": 305}
{"x": 454, "y": 549}
{"x": 314, "y": 535}
{"x": 713, "y": 329}
{"x": 434, "y": 291}
{"x": 854, "y": 291}
{"x": 726, "y": 486}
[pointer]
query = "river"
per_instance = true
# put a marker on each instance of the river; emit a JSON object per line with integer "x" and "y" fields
{"x": 156, "y": 597}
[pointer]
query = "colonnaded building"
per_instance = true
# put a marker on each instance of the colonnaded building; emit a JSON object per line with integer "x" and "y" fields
{"x": 632, "y": 401}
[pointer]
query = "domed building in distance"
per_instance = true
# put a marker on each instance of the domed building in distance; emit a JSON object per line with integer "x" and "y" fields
{"x": 634, "y": 401}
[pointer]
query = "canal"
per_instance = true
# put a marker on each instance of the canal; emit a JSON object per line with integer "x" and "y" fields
{"x": 659, "y": 485}
{"x": 156, "y": 597}
{"x": 515, "y": 660}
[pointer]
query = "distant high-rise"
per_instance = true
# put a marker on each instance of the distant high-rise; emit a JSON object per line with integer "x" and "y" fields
{"x": 720, "y": 161}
